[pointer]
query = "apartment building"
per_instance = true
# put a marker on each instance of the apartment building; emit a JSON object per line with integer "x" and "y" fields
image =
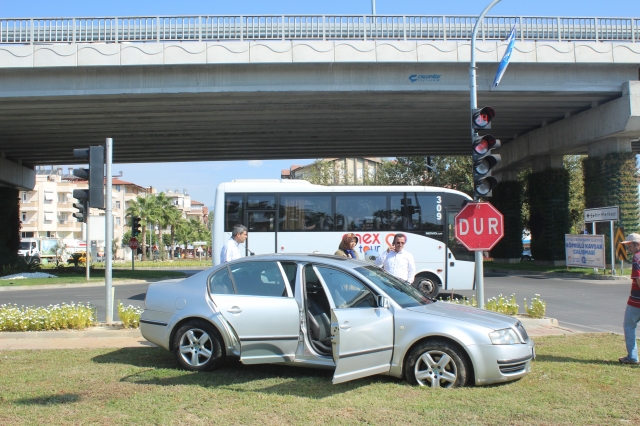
{"x": 353, "y": 169}
{"x": 47, "y": 210}
{"x": 189, "y": 208}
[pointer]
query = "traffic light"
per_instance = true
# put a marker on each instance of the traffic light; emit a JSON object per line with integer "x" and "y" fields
{"x": 483, "y": 162}
{"x": 94, "y": 174}
{"x": 83, "y": 210}
{"x": 135, "y": 226}
{"x": 481, "y": 118}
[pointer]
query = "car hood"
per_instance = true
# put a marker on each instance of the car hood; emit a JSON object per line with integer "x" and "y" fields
{"x": 477, "y": 316}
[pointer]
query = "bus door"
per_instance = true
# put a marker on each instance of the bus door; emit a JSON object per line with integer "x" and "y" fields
{"x": 460, "y": 262}
{"x": 261, "y": 225}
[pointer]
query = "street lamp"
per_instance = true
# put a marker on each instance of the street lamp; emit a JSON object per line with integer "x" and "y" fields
{"x": 474, "y": 105}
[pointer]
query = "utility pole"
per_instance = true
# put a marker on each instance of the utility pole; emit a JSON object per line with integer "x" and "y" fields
{"x": 474, "y": 105}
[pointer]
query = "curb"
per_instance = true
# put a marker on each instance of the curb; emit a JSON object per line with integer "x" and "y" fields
{"x": 560, "y": 275}
{"x": 536, "y": 322}
{"x": 100, "y": 332}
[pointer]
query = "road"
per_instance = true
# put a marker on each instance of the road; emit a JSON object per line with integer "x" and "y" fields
{"x": 582, "y": 305}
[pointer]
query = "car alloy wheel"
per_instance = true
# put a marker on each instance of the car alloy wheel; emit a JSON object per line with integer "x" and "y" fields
{"x": 198, "y": 346}
{"x": 437, "y": 364}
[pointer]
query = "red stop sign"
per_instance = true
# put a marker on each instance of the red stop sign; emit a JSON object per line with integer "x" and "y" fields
{"x": 479, "y": 226}
{"x": 133, "y": 243}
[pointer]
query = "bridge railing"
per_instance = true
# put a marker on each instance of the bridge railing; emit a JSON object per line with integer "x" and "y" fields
{"x": 311, "y": 27}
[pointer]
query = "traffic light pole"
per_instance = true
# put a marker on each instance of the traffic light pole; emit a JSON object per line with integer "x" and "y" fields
{"x": 474, "y": 105}
{"x": 88, "y": 245}
{"x": 108, "y": 240}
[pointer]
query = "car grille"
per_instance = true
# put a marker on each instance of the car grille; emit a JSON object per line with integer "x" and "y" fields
{"x": 511, "y": 369}
{"x": 522, "y": 331}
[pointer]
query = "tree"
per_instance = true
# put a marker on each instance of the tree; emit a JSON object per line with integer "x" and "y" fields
{"x": 573, "y": 163}
{"x": 144, "y": 208}
{"x": 173, "y": 216}
{"x": 161, "y": 209}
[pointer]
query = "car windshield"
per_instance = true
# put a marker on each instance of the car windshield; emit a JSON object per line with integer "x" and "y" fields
{"x": 401, "y": 293}
{"x": 24, "y": 245}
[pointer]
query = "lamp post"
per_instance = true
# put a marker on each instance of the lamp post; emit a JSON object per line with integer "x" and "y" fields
{"x": 373, "y": 7}
{"x": 474, "y": 105}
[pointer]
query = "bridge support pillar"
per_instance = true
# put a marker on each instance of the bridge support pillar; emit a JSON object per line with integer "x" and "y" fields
{"x": 610, "y": 179}
{"x": 10, "y": 229}
{"x": 16, "y": 175}
{"x": 508, "y": 197}
{"x": 548, "y": 208}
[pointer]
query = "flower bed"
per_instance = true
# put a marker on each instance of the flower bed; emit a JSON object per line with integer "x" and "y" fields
{"x": 509, "y": 306}
{"x": 53, "y": 317}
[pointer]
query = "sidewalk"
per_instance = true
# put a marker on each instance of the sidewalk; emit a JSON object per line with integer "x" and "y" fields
{"x": 106, "y": 337}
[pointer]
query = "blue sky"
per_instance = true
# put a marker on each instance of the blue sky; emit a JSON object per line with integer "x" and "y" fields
{"x": 201, "y": 179}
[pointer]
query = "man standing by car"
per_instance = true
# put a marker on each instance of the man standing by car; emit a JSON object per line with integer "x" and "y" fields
{"x": 398, "y": 262}
{"x": 231, "y": 250}
{"x": 632, "y": 312}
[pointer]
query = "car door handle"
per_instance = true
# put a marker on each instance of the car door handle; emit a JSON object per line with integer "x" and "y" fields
{"x": 345, "y": 326}
{"x": 234, "y": 310}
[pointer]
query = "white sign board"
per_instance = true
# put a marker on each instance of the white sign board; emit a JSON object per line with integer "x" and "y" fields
{"x": 584, "y": 251}
{"x": 97, "y": 228}
{"x": 601, "y": 214}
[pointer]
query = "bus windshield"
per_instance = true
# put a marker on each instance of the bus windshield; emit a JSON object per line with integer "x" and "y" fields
{"x": 402, "y": 293}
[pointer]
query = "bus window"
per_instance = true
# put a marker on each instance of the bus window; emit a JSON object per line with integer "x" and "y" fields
{"x": 261, "y": 201}
{"x": 305, "y": 213}
{"x": 360, "y": 212}
{"x": 233, "y": 211}
{"x": 404, "y": 213}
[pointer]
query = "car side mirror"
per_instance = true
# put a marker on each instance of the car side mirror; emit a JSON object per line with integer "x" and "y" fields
{"x": 383, "y": 302}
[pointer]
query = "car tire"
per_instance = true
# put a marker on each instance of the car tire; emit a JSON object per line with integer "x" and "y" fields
{"x": 526, "y": 258}
{"x": 438, "y": 364}
{"x": 428, "y": 284}
{"x": 197, "y": 346}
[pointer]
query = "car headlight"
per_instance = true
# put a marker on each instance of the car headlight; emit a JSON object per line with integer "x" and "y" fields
{"x": 506, "y": 336}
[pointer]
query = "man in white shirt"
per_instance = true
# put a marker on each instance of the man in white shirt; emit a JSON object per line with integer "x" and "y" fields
{"x": 231, "y": 250}
{"x": 398, "y": 262}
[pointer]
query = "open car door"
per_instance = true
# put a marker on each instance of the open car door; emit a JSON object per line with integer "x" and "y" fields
{"x": 362, "y": 342}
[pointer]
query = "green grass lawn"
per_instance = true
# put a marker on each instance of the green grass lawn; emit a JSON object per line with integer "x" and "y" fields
{"x": 78, "y": 277}
{"x": 575, "y": 380}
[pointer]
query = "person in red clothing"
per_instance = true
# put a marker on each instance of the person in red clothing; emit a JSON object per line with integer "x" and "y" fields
{"x": 632, "y": 312}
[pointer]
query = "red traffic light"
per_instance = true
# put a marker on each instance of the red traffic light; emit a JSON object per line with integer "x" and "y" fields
{"x": 481, "y": 118}
{"x": 484, "y": 144}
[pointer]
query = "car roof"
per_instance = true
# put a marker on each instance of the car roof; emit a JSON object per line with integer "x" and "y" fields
{"x": 328, "y": 259}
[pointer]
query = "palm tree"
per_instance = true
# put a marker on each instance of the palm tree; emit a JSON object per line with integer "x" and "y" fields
{"x": 162, "y": 208}
{"x": 144, "y": 208}
{"x": 173, "y": 217}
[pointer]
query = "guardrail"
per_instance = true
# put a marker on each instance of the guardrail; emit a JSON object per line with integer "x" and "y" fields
{"x": 299, "y": 27}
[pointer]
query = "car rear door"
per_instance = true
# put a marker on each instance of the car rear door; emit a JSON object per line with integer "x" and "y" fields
{"x": 257, "y": 302}
{"x": 362, "y": 332}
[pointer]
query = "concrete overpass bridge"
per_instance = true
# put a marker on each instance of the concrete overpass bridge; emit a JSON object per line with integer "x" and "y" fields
{"x": 246, "y": 87}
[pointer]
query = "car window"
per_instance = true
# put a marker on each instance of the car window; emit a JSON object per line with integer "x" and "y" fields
{"x": 258, "y": 279}
{"x": 290, "y": 269}
{"x": 220, "y": 282}
{"x": 401, "y": 292}
{"x": 346, "y": 291}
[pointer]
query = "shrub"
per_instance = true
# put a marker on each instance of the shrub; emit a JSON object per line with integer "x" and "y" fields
{"x": 130, "y": 315}
{"x": 538, "y": 307}
{"x": 502, "y": 305}
{"x": 464, "y": 301}
{"x": 53, "y": 317}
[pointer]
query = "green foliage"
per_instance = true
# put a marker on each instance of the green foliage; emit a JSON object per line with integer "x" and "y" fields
{"x": 538, "y": 307}
{"x": 449, "y": 172}
{"x": 549, "y": 213}
{"x": 129, "y": 315}
{"x": 612, "y": 180}
{"x": 573, "y": 164}
{"x": 508, "y": 199}
{"x": 502, "y": 305}
{"x": 53, "y": 317}
{"x": 10, "y": 229}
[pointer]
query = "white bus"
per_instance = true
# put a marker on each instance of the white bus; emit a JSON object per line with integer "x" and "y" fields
{"x": 294, "y": 216}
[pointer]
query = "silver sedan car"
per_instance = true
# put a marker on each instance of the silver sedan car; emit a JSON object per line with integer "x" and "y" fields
{"x": 331, "y": 312}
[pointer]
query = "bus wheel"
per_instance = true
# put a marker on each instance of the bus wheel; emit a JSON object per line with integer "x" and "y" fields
{"x": 428, "y": 284}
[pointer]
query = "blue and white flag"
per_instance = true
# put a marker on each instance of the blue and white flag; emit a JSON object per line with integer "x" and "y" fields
{"x": 505, "y": 59}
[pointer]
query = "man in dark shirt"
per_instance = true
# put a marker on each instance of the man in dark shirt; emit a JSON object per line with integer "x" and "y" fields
{"x": 632, "y": 313}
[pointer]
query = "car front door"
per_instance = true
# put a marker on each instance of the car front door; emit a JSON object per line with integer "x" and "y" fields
{"x": 362, "y": 332}
{"x": 255, "y": 298}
